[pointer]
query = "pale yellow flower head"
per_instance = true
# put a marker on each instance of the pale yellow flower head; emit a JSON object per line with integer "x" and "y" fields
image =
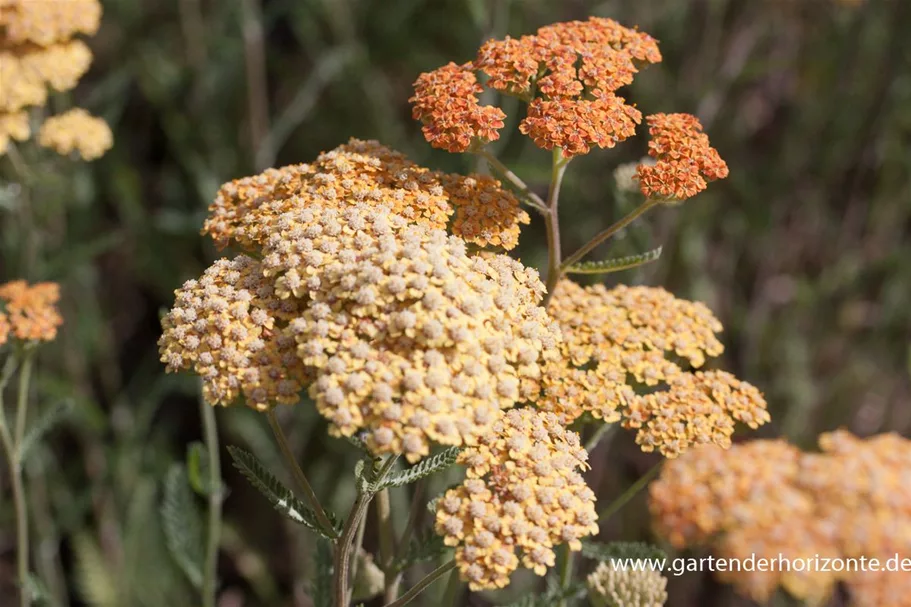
{"x": 13, "y": 126}
{"x": 226, "y": 327}
{"x": 45, "y": 22}
{"x": 613, "y": 586}
{"x": 76, "y": 131}
{"x": 412, "y": 340}
{"x": 524, "y": 496}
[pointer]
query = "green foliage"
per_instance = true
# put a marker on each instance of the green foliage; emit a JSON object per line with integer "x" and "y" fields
{"x": 95, "y": 581}
{"x": 200, "y": 475}
{"x": 424, "y": 546}
{"x": 321, "y": 584}
{"x": 281, "y": 497}
{"x": 622, "y": 551}
{"x": 616, "y": 264}
{"x": 46, "y": 422}
{"x": 424, "y": 468}
{"x": 182, "y": 524}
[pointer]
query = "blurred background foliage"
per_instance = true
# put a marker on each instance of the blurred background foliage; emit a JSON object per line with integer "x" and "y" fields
{"x": 803, "y": 252}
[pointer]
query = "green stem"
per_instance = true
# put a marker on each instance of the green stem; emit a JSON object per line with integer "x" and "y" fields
{"x": 602, "y": 431}
{"x": 356, "y": 550}
{"x": 567, "y": 562}
{"x": 418, "y": 588}
{"x": 386, "y": 543}
{"x": 627, "y": 495}
{"x": 213, "y": 532}
{"x": 605, "y": 234}
{"x": 25, "y": 376}
{"x": 298, "y": 474}
{"x": 344, "y": 546}
{"x": 11, "y": 446}
{"x": 453, "y": 586}
{"x": 533, "y": 199}
{"x": 552, "y": 223}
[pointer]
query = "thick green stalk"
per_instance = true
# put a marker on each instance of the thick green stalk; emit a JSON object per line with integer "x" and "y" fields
{"x": 607, "y": 233}
{"x": 25, "y": 376}
{"x": 213, "y": 531}
{"x": 298, "y": 474}
{"x": 418, "y": 588}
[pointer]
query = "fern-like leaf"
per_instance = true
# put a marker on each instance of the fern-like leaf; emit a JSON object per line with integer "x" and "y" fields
{"x": 631, "y": 551}
{"x": 281, "y": 498}
{"x": 46, "y": 422}
{"x": 180, "y": 518}
{"x": 426, "y": 467}
{"x": 616, "y": 264}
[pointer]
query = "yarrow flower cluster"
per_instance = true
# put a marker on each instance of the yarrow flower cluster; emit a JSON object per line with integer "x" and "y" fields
{"x": 29, "y": 312}
{"x": 76, "y": 131}
{"x": 245, "y": 210}
{"x": 613, "y": 586}
{"x": 766, "y": 497}
{"x": 524, "y": 495}
{"x": 618, "y": 338}
{"x": 38, "y": 50}
{"x": 567, "y": 72}
{"x": 684, "y": 159}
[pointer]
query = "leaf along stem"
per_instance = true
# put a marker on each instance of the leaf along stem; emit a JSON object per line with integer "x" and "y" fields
{"x": 607, "y": 233}
{"x": 299, "y": 476}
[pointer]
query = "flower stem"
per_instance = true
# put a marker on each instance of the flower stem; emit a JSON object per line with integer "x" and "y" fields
{"x": 299, "y": 476}
{"x": 213, "y": 532}
{"x": 418, "y": 588}
{"x": 344, "y": 546}
{"x": 604, "y": 235}
{"x": 602, "y": 431}
{"x": 453, "y": 586}
{"x": 386, "y": 542}
{"x": 533, "y": 199}
{"x": 629, "y": 494}
{"x": 25, "y": 375}
{"x": 552, "y": 223}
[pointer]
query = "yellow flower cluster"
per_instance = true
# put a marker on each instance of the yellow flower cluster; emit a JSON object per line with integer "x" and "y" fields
{"x": 613, "y": 339}
{"x": 767, "y": 498}
{"x": 524, "y": 495}
{"x": 38, "y": 51}
{"x": 223, "y": 327}
{"x": 613, "y": 586}
{"x": 245, "y": 210}
{"x": 410, "y": 337}
{"x": 29, "y": 312}
{"x": 76, "y": 131}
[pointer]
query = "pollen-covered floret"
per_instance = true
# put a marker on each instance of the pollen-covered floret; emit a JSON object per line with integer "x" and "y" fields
{"x": 76, "y": 131}
{"x": 411, "y": 339}
{"x": 227, "y": 328}
{"x": 685, "y": 159}
{"x": 486, "y": 214}
{"x": 524, "y": 496}
{"x": 29, "y": 312}
{"x": 611, "y": 585}
{"x": 695, "y": 409}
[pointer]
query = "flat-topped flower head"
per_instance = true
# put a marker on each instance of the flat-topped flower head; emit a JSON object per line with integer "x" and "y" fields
{"x": 29, "y": 312}
{"x": 245, "y": 210}
{"x": 524, "y": 496}
{"x": 685, "y": 161}
{"x": 47, "y": 22}
{"x": 612, "y": 337}
{"x": 611, "y": 585}
{"x": 446, "y": 101}
{"x": 76, "y": 131}
{"x": 695, "y": 409}
{"x": 26, "y": 72}
{"x": 227, "y": 328}
{"x": 411, "y": 339}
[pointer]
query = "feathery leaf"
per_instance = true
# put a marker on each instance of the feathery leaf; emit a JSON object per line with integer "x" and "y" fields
{"x": 616, "y": 264}
{"x": 182, "y": 526}
{"x": 426, "y": 467}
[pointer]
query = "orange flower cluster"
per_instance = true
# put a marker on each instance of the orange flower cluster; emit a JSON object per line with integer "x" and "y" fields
{"x": 446, "y": 101}
{"x": 614, "y": 339}
{"x": 767, "y": 498}
{"x": 245, "y": 210}
{"x": 685, "y": 160}
{"x": 568, "y": 72}
{"x": 38, "y": 51}
{"x": 29, "y": 313}
{"x": 524, "y": 494}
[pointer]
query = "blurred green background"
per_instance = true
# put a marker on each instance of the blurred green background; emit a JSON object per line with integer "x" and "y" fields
{"x": 804, "y": 253}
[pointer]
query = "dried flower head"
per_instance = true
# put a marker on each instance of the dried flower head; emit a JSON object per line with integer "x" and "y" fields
{"x": 29, "y": 312}
{"x": 13, "y": 126}
{"x": 76, "y": 131}
{"x": 411, "y": 339}
{"x": 685, "y": 160}
{"x": 613, "y": 586}
{"x": 523, "y": 496}
{"x": 696, "y": 408}
{"x": 45, "y": 23}
{"x": 610, "y": 336}
{"x": 446, "y": 101}
{"x": 568, "y": 72}
{"x": 227, "y": 328}
{"x": 364, "y": 172}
